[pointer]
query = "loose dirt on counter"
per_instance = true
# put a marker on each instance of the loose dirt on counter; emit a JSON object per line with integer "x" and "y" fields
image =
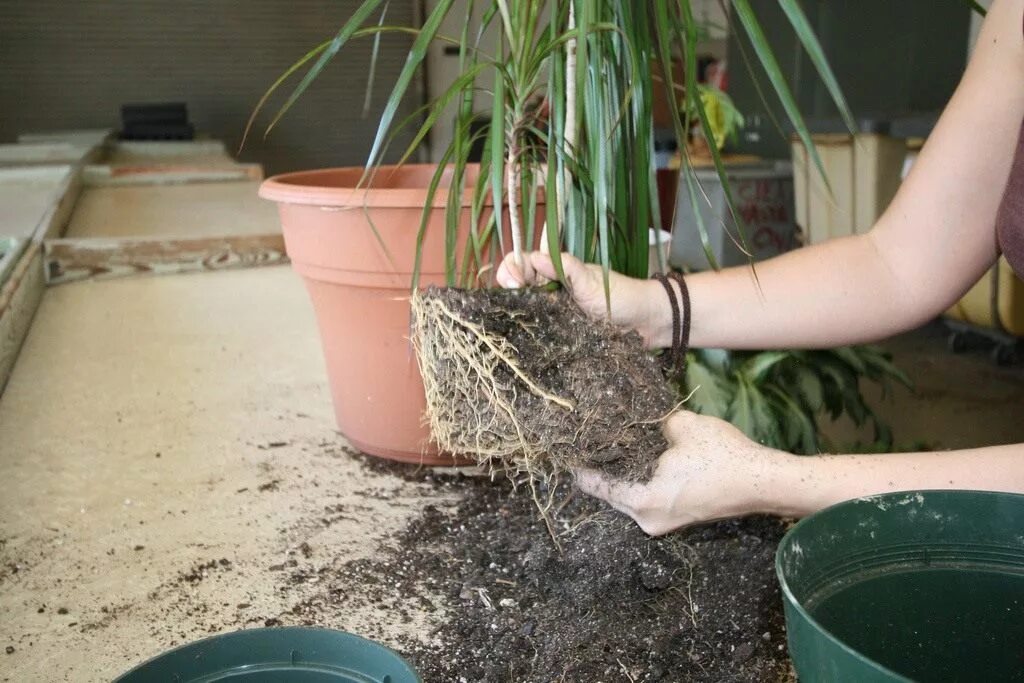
{"x": 612, "y": 605}
{"x": 525, "y": 380}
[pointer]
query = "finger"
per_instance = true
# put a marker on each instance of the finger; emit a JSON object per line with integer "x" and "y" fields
{"x": 571, "y": 266}
{"x": 679, "y": 425}
{"x": 619, "y": 495}
{"x": 510, "y": 275}
{"x": 524, "y": 273}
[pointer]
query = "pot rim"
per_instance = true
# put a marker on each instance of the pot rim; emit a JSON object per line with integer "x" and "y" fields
{"x": 311, "y": 189}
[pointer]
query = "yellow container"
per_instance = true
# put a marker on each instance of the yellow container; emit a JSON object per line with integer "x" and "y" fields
{"x": 864, "y": 173}
{"x": 996, "y": 302}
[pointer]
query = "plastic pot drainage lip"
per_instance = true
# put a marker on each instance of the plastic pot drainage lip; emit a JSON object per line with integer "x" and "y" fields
{"x": 272, "y": 655}
{"x": 910, "y": 586}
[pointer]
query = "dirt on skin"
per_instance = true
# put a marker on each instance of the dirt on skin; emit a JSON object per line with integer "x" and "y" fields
{"x": 525, "y": 378}
{"x": 612, "y": 605}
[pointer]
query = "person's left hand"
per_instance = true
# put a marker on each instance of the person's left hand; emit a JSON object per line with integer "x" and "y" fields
{"x": 710, "y": 471}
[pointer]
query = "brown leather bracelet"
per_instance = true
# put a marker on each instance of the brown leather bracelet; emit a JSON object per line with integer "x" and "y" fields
{"x": 673, "y": 352}
{"x": 684, "y": 343}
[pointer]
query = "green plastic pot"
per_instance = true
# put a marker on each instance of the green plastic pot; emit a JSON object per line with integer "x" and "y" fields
{"x": 914, "y": 586}
{"x": 277, "y": 655}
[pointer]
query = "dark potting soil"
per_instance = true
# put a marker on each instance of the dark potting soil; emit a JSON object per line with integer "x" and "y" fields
{"x": 498, "y": 402}
{"x": 613, "y": 604}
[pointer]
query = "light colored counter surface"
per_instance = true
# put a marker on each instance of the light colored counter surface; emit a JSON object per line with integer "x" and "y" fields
{"x": 152, "y": 426}
{"x": 196, "y": 210}
{"x": 195, "y": 152}
{"x": 43, "y": 153}
{"x": 26, "y": 194}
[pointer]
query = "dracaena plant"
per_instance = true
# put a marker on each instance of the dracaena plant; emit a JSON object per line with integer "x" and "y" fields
{"x": 568, "y": 148}
{"x": 569, "y": 151}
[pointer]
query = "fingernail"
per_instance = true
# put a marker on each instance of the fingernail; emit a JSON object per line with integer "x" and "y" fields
{"x": 508, "y": 282}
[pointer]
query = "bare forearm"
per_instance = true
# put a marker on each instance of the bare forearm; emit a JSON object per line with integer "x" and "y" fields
{"x": 935, "y": 239}
{"x": 832, "y": 294}
{"x": 794, "y": 485}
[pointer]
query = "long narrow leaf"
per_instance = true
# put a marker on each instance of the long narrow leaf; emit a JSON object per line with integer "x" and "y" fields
{"x": 350, "y": 27}
{"x": 497, "y": 145}
{"x": 810, "y": 42}
{"x": 778, "y": 81}
{"x": 270, "y": 91}
{"x": 552, "y": 202}
{"x": 415, "y": 57}
{"x": 439, "y": 106}
{"x": 373, "y": 62}
{"x": 421, "y": 232}
{"x": 694, "y": 96}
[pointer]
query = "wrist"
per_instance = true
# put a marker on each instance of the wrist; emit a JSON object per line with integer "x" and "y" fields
{"x": 781, "y": 482}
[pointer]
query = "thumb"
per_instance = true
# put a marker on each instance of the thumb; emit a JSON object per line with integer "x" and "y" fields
{"x": 573, "y": 269}
{"x": 591, "y": 482}
{"x": 511, "y": 276}
{"x": 622, "y": 496}
{"x": 679, "y": 425}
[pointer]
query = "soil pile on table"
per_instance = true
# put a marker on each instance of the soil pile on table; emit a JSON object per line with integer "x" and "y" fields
{"x": 523, "y": 379}
{"x": 612, "y": 605}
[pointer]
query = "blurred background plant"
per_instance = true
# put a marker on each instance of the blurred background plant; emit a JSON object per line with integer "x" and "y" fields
{"x": 780, "y": 398}
{"x": 723, "y": 116}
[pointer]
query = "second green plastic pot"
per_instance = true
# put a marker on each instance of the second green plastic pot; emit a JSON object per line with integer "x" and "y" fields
{"x": 277, "y": 655}
{"x": 914, "y": 586}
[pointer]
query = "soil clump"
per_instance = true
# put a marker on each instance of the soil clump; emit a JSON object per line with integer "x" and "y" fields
{"x": 612, "y": 605}
{"x": 524, "y": 379}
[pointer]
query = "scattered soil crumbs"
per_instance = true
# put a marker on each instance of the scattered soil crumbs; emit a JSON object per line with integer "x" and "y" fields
{"x": 523, "y": 378}
{"x": 613, "y": 605}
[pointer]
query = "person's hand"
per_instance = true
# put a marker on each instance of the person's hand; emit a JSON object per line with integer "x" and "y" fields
{"x": 633, "y": 302}
{"x": 710, "y": 471}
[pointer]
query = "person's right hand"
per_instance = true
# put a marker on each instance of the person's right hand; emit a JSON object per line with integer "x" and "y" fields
{"x": 633, "y": 302}
{"x": 710, "y": 471}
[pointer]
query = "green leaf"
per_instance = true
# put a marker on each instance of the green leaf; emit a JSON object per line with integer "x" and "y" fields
{"x": 849, "y": 356}
{"x": 347, "y": 30}
{"x": 421, "y": 232}
{"x": 438, "y": 106}
{"x": 281, "y": 79}
{"x": 976, "y": 7}
{"x": 810, "y": 42}
{"x": 373, "y": 62}
{"x": 799, "y": 428}
{"x": 415, "y": 57}
{"x": 719, "y": 360}
{"x": 882, "y": 364}
{"x": 809, "y": 388}
{"x": 751, "y": 413}
{"x": 712, "y": 393}
{"x": 497, "y": 144}
{"x": 856, "y": 408}
{"x": 839, "y": 383}
{"x": 552, "y": 199}
{"x": 771, "y": 66}
{"x": 758, "y": 366}
{"x": 695, "y": 101}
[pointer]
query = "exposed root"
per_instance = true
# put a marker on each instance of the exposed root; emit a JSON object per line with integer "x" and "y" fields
{"x": 527, "y": 385}
{"x": 483, "y": 400}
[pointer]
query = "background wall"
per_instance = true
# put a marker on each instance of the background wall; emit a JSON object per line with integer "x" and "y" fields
{"x": 892, "y": 59}
{"x": 72, "y": 63}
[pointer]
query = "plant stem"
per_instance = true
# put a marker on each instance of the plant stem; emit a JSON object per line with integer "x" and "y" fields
{"x": 515, "y": 180}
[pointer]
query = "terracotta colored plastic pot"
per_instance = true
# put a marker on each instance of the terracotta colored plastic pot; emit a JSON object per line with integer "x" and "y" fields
{"x": 359, "y": 282}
